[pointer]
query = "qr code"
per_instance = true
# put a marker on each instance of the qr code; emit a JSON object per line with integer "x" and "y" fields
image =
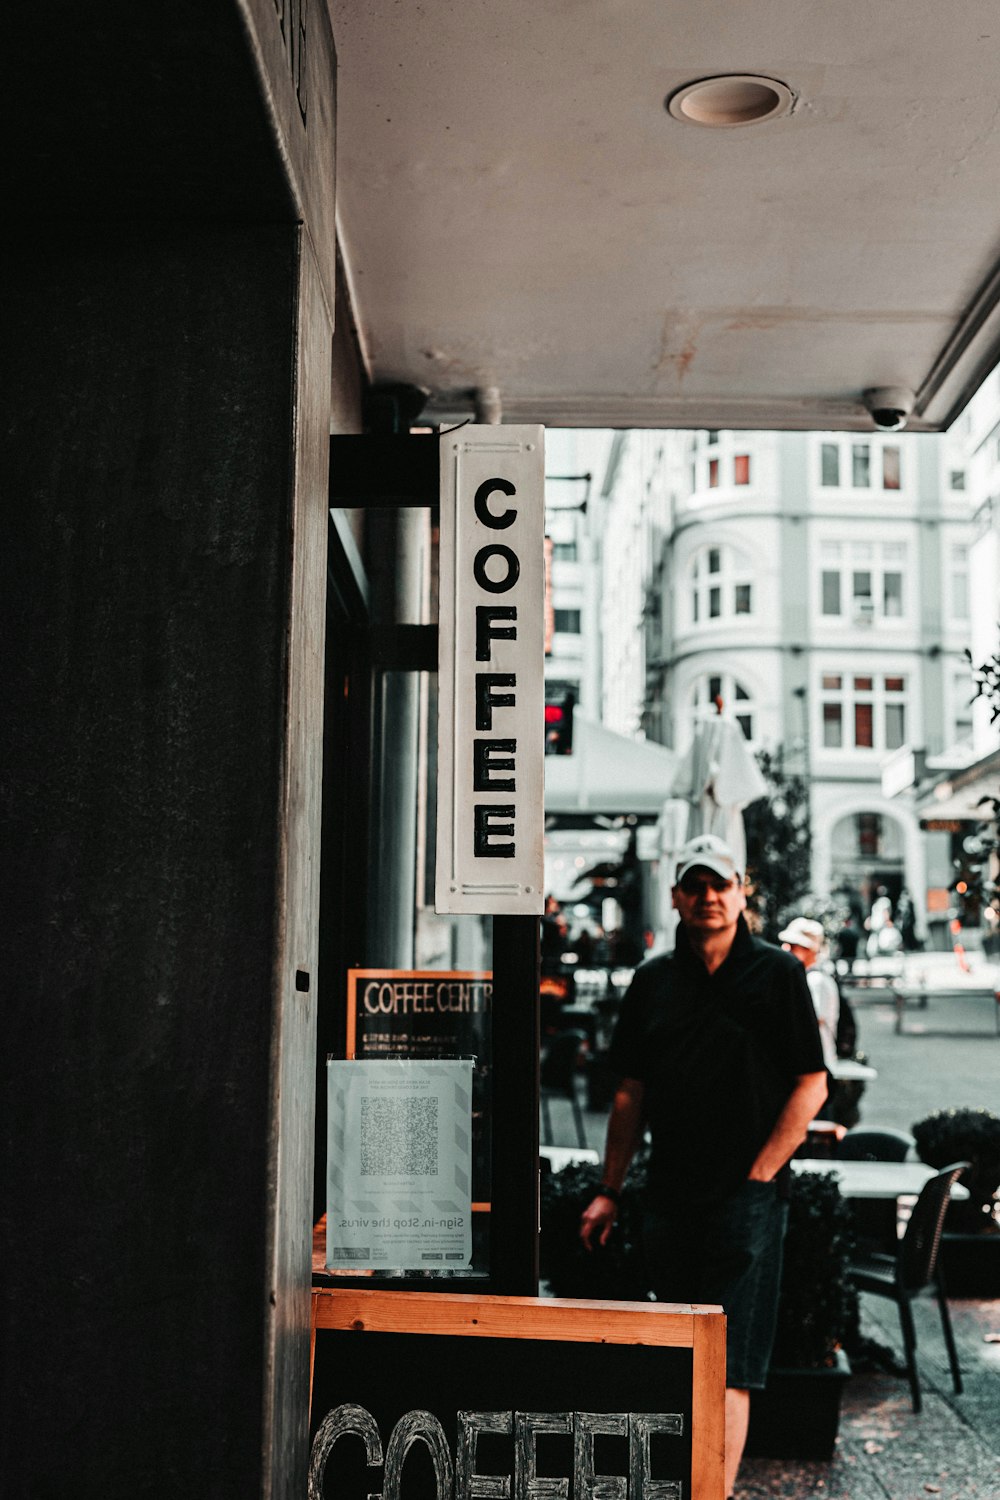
{"x": 399, "y": 1135}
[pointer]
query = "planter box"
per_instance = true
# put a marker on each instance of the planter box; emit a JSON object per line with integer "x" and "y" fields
{"x": 798, "y": 1412}
{"x": 970, "y": 1264}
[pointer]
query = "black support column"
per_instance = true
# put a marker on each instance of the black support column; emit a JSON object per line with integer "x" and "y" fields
{"x": 162, "y": 597}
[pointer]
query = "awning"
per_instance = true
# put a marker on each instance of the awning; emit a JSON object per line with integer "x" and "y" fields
{"x": 608, "y": 773}
{"x": 958, "y": 796}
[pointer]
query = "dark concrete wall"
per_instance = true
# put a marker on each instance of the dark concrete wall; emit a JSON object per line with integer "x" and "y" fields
{"x": 144, "y": 593}
{"x": 162, "y": 605}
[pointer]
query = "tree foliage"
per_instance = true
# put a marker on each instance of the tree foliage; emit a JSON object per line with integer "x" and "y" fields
{"x": 986, "y": 873}
{"x": 779, "y": 846}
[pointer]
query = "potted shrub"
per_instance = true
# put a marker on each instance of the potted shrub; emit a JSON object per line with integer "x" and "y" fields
{"x": 797, "y": 1416}
{"x": 798, "y": 1413}
{"x": 615, "y": 1272}
{"x": 970, "y": 1248}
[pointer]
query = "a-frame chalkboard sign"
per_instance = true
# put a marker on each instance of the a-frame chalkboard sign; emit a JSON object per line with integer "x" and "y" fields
{"x": 434, "y": 1396}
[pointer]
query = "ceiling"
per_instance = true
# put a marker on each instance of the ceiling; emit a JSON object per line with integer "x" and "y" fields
{"x": 520, "y": 216}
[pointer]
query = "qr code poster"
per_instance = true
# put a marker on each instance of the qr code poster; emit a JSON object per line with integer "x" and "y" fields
{"x": 399, "y": 1165}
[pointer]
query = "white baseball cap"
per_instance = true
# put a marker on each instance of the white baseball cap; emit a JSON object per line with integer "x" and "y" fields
{"x": 803, "y": 932}
{"x": 707, "y": 852}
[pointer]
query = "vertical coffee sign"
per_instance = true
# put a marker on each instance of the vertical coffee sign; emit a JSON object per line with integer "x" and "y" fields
{"x": 491, "y": 672}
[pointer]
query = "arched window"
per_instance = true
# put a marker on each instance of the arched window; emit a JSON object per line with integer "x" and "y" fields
{"x": 722, "y": 688}
{"x": 720, "y": 585}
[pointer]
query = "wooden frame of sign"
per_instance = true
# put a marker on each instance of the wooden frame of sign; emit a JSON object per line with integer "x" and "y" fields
{"x": 416, "y": 1372}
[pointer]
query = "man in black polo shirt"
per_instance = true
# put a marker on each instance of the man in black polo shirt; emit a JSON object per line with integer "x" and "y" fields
{"x": 718, "y": 1054}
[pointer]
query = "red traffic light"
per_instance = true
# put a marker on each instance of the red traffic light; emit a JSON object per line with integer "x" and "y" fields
{"x": 559, "y": 726}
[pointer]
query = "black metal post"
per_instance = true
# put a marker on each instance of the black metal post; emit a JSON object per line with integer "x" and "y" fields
{"x": 514, "y": 1219}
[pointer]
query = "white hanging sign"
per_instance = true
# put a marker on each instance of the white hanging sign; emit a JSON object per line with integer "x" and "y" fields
{"x": 491, "y": 669}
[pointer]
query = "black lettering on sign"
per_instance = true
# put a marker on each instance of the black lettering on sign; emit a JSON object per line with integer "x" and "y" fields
{"x": 485, "y": 490}
{"x": 482, "y": 578}
{"x": 485, "y": 615}
{"x": 487, "y": 830}
{"x": 488, "y": 757}
{"x": 527, "y": 1484}
{"x": 418, "y": 1427}
{"x": 487, "y": 700}
{"x": 469, "y": 1484}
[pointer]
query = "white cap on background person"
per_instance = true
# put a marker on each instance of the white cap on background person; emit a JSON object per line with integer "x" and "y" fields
{"x": 803, "y": 932}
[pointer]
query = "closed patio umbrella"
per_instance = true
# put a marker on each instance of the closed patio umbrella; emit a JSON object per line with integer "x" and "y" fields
{"x": 716, "y": 778}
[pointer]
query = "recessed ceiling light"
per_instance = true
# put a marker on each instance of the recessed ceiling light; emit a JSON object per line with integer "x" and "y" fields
{"x": 730, "y": 99}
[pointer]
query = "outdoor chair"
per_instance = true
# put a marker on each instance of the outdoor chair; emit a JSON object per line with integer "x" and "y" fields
{"x": 558, "y": 1080}
{"x": 914, "y": 1267}
{"x": 874, "y": 1220}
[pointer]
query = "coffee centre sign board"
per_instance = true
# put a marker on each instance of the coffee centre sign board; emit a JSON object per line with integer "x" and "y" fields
{"x": 491, "y": 672}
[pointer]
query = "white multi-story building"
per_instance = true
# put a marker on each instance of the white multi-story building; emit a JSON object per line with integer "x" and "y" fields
{"x": 953, "y": 794}
{"x": 978, "y": 431}
{"x": 574, "y": 464}
{"x": 817, "y": 584}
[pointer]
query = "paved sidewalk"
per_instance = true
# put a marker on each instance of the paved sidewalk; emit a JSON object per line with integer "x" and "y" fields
{"x": 947, "y": 1057}
{"x": 885, "y": 1451}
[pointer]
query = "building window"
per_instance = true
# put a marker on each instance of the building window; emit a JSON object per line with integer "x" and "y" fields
{"x": 869, "y": 832}
{"x": 959, "y": 582}
{"x": 741, "y": 468}
{"x": 892, "y": 595}
{"x": 830, "y": 465}
{"x": 871, "y": 575}
{"x": 567, "y": 621}
{"x": 724, "y": 691}
{"x": 956, "y": 479}
{"x": 564, "y": 551}
{"x": 961, "y": 707}
{"x": 890, "y": 467}
{"x": 713, "y": 473}
{"x": 863, "y": 711}
{"x": 860, "y": 465}
{"x": 721, "y": 585}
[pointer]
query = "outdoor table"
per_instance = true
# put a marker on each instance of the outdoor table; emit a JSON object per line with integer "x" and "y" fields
{"x": 965, "y": 992}
{"x": 567, "y": 1156}
{"x": 845, "y": 1069}
{"x": 875, "y": 1179}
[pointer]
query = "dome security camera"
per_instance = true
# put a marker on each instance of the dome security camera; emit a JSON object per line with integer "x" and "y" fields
{"x": 889, "y": 405}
